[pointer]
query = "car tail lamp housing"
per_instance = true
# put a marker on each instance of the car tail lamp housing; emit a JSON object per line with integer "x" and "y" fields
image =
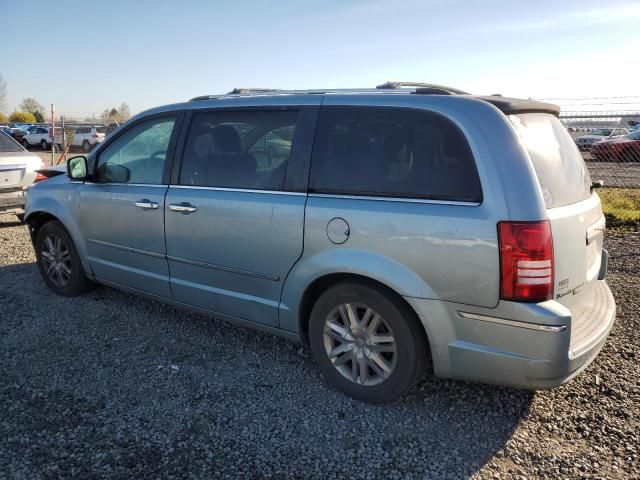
{"x": 526, "y": 261}
{"x": 40, "y": 176}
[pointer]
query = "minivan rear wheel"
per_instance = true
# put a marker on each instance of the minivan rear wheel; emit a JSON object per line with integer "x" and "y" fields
{"x": 58, "y": 261}
{"x": 86, "y": 146}
{"x": 366, "y": 342}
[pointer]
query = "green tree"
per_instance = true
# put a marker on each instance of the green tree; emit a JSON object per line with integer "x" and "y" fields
{"x": 39, "y": 117}
{"x": 22, "y": 117}
{"x": 3, "y": 118}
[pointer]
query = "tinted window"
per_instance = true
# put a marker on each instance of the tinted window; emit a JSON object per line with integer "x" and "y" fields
{"x": 240, "y": 149}
{"x": 561, "y": 171}
{"x": 392, "y": 152}
{"x": 141, "y": 151}
{"x": 8, "y": 144}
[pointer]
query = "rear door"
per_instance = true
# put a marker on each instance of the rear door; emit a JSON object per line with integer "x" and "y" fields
{"x": 122, "y": 210}
{"x": 575, "y": 213}
{"x": 235, "y": 218}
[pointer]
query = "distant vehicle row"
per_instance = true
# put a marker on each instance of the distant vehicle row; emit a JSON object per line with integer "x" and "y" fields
{"x": 621, "y": 148}
{"x": 83, "y": 136}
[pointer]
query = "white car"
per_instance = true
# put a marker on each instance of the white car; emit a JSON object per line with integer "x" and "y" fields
{"x": 86, "y": 136}
{"x": 37, "y": 136}
{"x": 17, "y": 172}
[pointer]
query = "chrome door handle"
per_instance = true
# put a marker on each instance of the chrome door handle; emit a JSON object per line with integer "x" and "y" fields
{"x": 146, "y": 204}
{"x": 182, "y": 207}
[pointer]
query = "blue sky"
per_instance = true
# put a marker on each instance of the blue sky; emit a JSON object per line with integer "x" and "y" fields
{"x": 98, "y": 54}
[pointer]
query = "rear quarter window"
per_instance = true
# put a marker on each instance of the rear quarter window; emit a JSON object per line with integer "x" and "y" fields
{"x": 8, "y": 144}
{"x": 559, "y": 166}
{"x": 395, "y": 152}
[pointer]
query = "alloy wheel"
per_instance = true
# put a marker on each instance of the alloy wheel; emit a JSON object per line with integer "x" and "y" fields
{"x": 56, "y": 260}
{"x": 360, "y": 344}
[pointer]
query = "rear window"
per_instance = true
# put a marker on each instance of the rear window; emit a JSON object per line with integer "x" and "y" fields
{"x": 560, "y": 168}
{"x": 396, "y": 152}
{"x": 8, "y": 144}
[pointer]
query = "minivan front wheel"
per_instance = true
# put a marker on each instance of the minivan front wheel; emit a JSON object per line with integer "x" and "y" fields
{"x": 366, "y": 342}
{"x": 58, "y": 260}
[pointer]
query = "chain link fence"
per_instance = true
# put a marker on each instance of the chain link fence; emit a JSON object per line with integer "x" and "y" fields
{"x": 609, "y": 143}
{"x": 608, "y": 140}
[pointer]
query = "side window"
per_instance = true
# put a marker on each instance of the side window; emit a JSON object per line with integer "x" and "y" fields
{"x": 138, "y": 155}
{"x": 398, "y": 152}
{"x": 239, "y": 149}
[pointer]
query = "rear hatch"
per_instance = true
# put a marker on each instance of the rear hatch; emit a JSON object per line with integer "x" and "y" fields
{"x": 574, "y": 211}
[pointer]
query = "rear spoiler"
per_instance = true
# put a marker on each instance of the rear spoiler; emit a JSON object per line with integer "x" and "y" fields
{"x": 54, "y": 171}
{"x": 510, "y": 106}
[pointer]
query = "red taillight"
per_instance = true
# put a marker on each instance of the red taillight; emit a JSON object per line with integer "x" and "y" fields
{"x": 95, "y": 135}
{"x": 40, "y": 177}
{"x": 526, "y": 261}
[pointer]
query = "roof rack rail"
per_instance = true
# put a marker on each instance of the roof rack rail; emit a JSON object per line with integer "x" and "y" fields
{"x": 422, "y": 88}
{"x": 237, "y": 91}
{"x": 244, "y": 91}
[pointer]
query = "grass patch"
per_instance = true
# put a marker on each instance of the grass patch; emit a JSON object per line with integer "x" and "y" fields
{"x": 621, "y": 206}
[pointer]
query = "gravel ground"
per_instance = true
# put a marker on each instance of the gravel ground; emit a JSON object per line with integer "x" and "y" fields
{"x": 111, "y": 385}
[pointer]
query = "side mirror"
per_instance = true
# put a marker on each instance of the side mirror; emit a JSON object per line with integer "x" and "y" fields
{"x": 114, "y": 173}
{"x": 77, "y": 168}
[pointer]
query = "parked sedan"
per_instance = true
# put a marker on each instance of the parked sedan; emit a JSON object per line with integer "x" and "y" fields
{"x": 17, "y": 171}
{"x": 625, "y": 148}
{"x": 585, "y": 142}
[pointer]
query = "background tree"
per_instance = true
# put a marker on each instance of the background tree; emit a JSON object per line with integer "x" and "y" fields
{"x": 3, "y": 95}
{"x": 31, "y": 105}
{"x": 22, "y": 117}
{"x": 3, "y": 118}
{"x": 119, "y": 115}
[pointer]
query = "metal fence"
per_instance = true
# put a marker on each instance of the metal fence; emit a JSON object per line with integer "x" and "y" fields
{"x": 610, "y": 144}
{"x": 609, "y": 140}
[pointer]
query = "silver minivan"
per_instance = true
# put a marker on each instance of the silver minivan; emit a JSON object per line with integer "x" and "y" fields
{"x": 394, "y": 230}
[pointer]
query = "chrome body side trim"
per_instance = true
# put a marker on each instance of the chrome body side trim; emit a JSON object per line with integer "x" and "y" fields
{"x": 128, "y": 249}
{"x": 242, "y": 190}
{"x": 239, "y": 271}
{"x": 513, "y": 323}
{"x": 395, "y": 199}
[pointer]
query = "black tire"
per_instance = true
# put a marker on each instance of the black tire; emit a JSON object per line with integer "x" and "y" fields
{"x": 44, "y": 145}
{"x": 77, "y": 282}
{"x": 24, "y": 143}
{"x": 20, "y": 217}
{"x": 410, "y": 354}
{"x": 86, "y": 146}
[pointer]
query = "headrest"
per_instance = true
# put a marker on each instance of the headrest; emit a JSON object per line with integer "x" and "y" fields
{"x": 225, "y": 139}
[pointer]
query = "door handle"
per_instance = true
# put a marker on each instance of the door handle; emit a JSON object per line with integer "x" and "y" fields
{"x": 146, "y": 204}
{"x": 182, "y": 207}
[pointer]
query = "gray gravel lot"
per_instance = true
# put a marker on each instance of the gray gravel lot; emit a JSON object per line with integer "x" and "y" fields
{"x": 111, "y": 385}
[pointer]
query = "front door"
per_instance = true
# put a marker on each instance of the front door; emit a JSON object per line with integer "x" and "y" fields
{"x": 122, "y": 210}
{"x": 235, "y": 219}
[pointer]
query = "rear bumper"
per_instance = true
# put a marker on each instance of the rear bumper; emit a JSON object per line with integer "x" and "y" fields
{"x": 534, "y": 346}
{"x": 12, "y": 201}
